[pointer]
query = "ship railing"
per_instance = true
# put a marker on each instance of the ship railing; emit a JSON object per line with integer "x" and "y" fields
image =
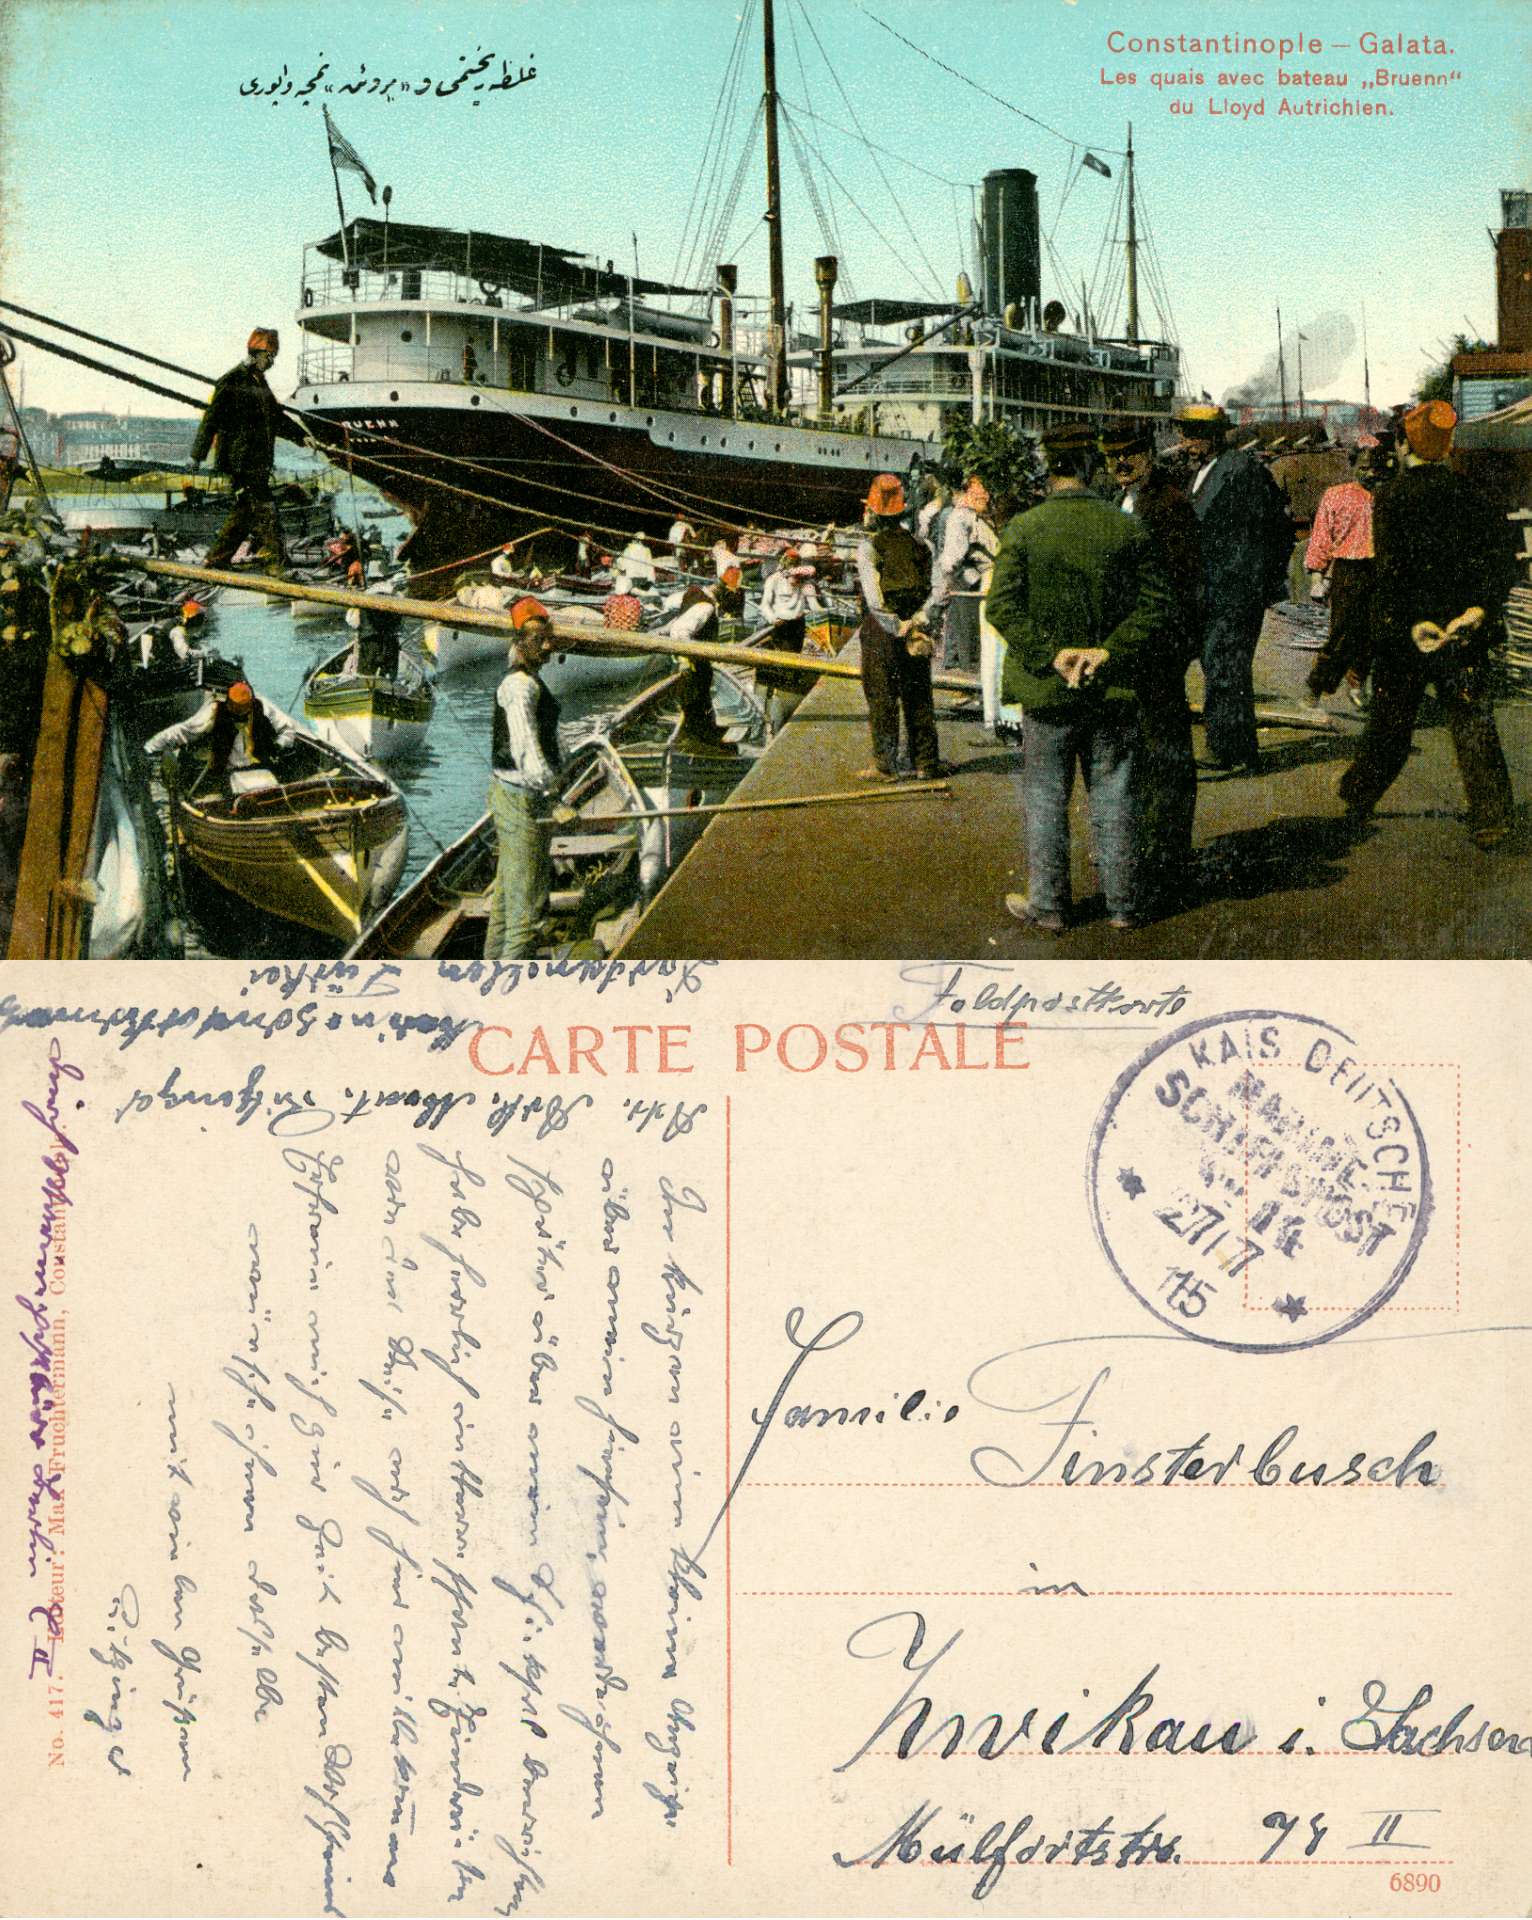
{"x": 336, "y": 285}
{"x": 907, "y": 379}
{"x": 330, "y": 283}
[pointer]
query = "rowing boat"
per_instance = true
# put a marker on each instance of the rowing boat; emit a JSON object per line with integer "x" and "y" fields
{"x": 379, "y": 716}
{"x": 315, "y": 854}
{"x": 564, "y": 673}
{"x": 611, "y": 860}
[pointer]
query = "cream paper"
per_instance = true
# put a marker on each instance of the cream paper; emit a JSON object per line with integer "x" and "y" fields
{"x": 764, "y": 1440}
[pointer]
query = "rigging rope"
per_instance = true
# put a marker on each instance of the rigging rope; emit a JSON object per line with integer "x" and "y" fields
{"x": 101, "y": 340}
{"x": 863, "y": 211}
{"x": 834, "y": 243}
{"x": 855, "y": 121}
{"x": 100, "y": 366}
{"x": 821, "y": 120}
{"x": 707, "y": 149}
{"x": 1116, "y": 152}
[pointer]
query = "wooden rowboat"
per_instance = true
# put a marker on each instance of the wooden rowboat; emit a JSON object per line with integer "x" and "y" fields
{"x": 317, "y": 854}
{"x": 608, "y": 863}
{"x": 378, "y": 717}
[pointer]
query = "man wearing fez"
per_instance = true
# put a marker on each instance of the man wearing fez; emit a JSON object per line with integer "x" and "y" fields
{"x": 1443, "y": 567}
{"x": 527, "y": 763}
{"x": 1080, "y": 597}
{"x": 1247, "y": 540}
{"x": 241, "y": 425}
{"x": 893, "y": 570}
{"x": 1150, "y": 493}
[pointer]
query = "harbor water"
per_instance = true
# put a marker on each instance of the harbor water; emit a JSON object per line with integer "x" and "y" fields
{"x": 446, "y": 784}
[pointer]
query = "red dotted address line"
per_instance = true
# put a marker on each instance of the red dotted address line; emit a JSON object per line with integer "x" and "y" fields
{"x": 1457, "y": 1276}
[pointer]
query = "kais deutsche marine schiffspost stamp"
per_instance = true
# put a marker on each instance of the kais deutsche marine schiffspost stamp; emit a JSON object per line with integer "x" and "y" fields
{"x": 1257, "y": 1183}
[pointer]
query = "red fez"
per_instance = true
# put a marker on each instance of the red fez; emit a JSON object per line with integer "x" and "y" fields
{"x": 527, "y": 609}
{"x": 262, "y": 339}
{"x": 885, "y": 497}
{"x": 1428, "y": 429}
{"x": 241, "y": 694}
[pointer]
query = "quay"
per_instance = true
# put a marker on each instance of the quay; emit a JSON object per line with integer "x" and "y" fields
{"x": 1279, "y": 874}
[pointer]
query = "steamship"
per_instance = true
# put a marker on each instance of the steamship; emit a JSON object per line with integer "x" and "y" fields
{"x": 492, "y": 386}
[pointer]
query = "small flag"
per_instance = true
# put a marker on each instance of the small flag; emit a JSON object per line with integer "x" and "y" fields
{"x": 343, "y": 154}
{"x": 1095, "y": 165}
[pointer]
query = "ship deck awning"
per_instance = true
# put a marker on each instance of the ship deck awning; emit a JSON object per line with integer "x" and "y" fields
{"x": 552, "y": 274}
{"x": 889, "y": 313}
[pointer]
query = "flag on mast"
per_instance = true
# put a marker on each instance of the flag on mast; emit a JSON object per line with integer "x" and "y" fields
{"x": 1095, "y": 165}
{"x": 343, "y": 154}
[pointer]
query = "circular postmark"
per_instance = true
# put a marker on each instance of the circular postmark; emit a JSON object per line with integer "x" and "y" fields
{"x": 1257, "y": 1184}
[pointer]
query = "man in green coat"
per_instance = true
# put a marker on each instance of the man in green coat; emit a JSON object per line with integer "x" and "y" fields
{"x": 241, "y": 426}
{"x": 1080, "y": 597}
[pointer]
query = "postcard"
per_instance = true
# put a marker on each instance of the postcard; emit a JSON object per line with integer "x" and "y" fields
{"x": 793, "y": 741}
{"x": 951, "y": 480}
{"x": 690, "y": 1439}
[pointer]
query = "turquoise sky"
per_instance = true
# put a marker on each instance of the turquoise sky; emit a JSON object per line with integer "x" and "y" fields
{"x": 146, "y": 199}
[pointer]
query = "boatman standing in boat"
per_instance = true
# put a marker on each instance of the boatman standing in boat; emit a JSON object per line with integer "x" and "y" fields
{"x": 241, "y": 427}
{"x": 787, "y": 599}
{"x": 376, "y": 649}
{"x": 698, "y": 620}
{"x": 893, "y": 570}
{"x": 526, "y": 761}
{"x": 243, "y": 733}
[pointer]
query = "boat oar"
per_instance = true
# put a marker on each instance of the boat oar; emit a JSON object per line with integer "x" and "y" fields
{"x": 573, "y": 636}
{"x": 917, "y": 791}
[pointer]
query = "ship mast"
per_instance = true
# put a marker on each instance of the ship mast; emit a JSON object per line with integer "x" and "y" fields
{"x": 776, "y": 351}
{"x": 1132, "y": 247}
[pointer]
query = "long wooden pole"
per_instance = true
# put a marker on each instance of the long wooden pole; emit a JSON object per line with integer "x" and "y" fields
{"x": 917, "y": 790}
{"x": 574, "y": 636}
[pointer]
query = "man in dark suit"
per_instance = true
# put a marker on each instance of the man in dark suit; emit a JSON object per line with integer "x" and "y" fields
{"x": 1150, "y": 492}
{"x": 1444, "y": 566}
{"x": 241, "y": 426}
{"x": 1247, "y": 539}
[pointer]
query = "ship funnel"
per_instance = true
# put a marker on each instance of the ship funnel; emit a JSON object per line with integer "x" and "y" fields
{"x": 1012, "y": 257}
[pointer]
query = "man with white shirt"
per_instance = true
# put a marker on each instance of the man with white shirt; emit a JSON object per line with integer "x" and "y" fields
{"x": 936, "y": 499}
{"x": 697, "y": 620}
{"x": 243, "y": 733}
{"x": 963, "y": 563}
{"x": 681, "y": 538}
{"x": 526, "y": 763}
{"x": 787, "y": 599}
{"x": 1247, "y": 539}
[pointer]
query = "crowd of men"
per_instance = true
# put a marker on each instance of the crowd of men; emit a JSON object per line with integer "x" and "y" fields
{"x": 1083, "y": 616}
{"x": 1080, "y": 619}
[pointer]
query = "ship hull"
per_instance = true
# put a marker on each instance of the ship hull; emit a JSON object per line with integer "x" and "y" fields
{"x": 479, "y": 466}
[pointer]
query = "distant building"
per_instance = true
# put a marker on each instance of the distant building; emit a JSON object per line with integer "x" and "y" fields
{"x": 1485, "y": 381}
{"x": 83, "y": 439}
{"x": 1342, "y": 420}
